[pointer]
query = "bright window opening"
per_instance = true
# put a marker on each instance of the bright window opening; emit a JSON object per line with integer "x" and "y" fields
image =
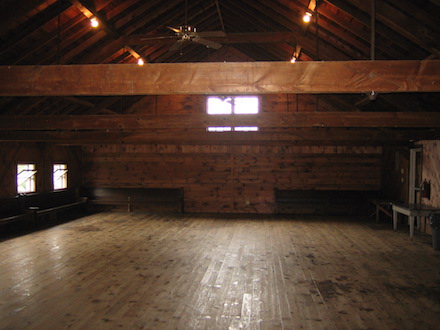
{"x": 26, "y": 178}
{"x": 219, "y": 129}
{"x": 246, "y": 105}
{"x": 232, "y": 105}
{"x": 59, "y": 176}
{"x": 226, "y": 105}
{"x": 246, "y": 129}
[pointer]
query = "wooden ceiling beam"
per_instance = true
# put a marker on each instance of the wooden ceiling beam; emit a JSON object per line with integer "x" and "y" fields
{"x": 221, "y": 78}
{"x": 293, "y": 136}
{"x": 201, "y": 121}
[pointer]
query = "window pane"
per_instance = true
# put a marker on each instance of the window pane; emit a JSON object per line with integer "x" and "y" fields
{"x": 59, "y": 176}
{"x": 219, "y": 106}
{"x": 26, "y": 178}
{"x": 246, "y": 129}
{"x": 219, "y": 129}
{"x": 246, "y": 105}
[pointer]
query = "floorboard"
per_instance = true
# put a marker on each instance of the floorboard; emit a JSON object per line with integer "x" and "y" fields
{"x": 150, "y": 271}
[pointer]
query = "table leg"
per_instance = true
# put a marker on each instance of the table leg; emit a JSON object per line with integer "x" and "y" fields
{"x": 395, "y": 220}
{"x": 411, "y": 226}
{"x": 377, "y": 213}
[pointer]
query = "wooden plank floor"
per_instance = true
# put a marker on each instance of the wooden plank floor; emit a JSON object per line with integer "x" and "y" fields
{"x": 139, "y": 271}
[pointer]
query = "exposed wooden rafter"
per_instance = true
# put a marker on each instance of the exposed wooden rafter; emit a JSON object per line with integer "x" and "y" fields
{"x": 90, "y": 12}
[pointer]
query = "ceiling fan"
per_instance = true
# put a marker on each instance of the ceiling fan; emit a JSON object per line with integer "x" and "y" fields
{"x": 187, "y": 33}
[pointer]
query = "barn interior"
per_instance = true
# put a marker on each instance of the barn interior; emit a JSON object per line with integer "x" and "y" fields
{"x": 234, "y": 142}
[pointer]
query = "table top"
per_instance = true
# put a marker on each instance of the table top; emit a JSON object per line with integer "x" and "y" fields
{"x": 417, "y": 207}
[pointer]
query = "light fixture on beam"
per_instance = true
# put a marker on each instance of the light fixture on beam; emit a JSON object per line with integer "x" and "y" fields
{"x": 307, "y": 17}
{"x": 311, "y": 8}
{"x": 94, "y": 22}
{"x": 296, "y": 53}
{"x": 139, "y": 59}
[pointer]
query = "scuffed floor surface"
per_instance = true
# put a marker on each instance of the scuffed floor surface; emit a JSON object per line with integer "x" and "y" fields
{"x": 141, "y": 271}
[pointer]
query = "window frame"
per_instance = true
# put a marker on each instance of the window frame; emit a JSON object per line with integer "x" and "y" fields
{"x": 30, "y": 182}
{"x": 63, "y": 178}
{"x": 232, "y": 112}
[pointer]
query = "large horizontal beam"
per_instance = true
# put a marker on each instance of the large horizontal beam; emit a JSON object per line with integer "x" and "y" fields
{"x": 296, "y": 136}
{"x": 198, "y": 121}
{"x": 221, "y": 78}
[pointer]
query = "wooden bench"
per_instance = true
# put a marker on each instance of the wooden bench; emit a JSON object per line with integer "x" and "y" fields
{"x": 382, "y": 206}
{"x": 14, "y": 211}
{"x": 413, "y": 211}
{"x": 28, "y": 210}
{"x": 136, "y": 199}
{"x": 331, "y": 202}
{"x": 54, "y": 202}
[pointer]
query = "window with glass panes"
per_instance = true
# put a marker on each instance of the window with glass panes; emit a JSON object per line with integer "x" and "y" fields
{"x": 26, "y": 178}
{"x": 59, "y": 176}
{"x": 232, "y": 105}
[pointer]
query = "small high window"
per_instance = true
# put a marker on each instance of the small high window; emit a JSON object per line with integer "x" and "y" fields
{"x": 26, "y": 178}
{"x": 232, "y": 105}
{"x": 59, "y": 176}
{"x": 226, "y": 105}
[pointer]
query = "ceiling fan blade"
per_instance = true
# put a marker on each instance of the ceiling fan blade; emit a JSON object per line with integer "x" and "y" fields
{"x": 174, "y": 29}
{"x": 208, "y": 43}
{"x": 212, "y": 34}
{"x": 371, "y": 96}
{"x": 156, "y": 38}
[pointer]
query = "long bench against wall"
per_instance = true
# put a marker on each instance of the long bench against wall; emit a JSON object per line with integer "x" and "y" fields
{"x": 135, "y": 199}
{"x": 38, "y": 209}
{"x": 332, "y": 202}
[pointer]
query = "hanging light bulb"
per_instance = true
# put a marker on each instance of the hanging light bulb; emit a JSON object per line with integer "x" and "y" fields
{"x": 307, "y": 17}
{"x": 140, "y": 61}
{"x": 94, "y": 22}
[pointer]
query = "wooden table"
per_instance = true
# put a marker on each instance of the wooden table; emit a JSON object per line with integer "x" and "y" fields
{"x": 382, "y": 205}
{"x": 413, "y": 211}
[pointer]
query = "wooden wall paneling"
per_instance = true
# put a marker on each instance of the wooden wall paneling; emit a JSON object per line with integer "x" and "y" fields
{"x": 395, "y": 169}
{"x": 431, "y": 173}
{"x": 182, "y": 104}
{"x": 238, "y": 178}
{"x": 43, "y": 155}
{"x": 431, "y": 170}
{"x": 146, "y": 105}
{"x": 276, "y": 103}
{"x": 10, "y": 153}
{"x": 170, "y": 104}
